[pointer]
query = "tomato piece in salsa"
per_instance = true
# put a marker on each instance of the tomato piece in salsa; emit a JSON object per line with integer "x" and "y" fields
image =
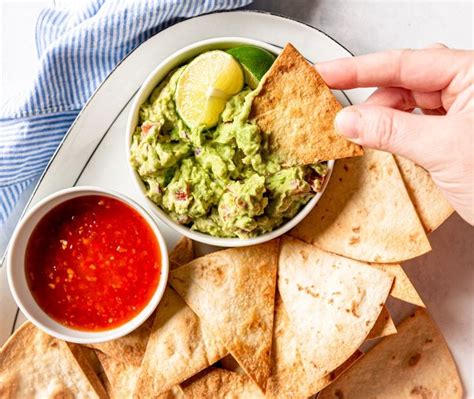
{"x": 92, "y": 263}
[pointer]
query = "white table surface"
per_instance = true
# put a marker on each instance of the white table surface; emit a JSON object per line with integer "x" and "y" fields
{"x": 362, "y": 27}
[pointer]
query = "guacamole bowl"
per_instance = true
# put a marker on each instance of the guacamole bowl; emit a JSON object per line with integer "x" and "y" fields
{"x": 249, "y": 191}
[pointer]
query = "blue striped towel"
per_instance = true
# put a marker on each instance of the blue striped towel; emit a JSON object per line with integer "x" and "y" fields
{"x": 77, "y": 48}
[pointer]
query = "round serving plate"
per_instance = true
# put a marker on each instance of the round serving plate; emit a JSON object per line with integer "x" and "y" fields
{"x": 92, "y": 153}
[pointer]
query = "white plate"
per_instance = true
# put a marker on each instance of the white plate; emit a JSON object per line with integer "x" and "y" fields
{"x": 92, "y": 154}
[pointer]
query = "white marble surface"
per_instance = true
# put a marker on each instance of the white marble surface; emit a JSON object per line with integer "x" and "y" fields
{"x": 444, "y": 277}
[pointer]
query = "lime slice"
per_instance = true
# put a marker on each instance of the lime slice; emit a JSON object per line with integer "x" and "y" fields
{"x": 255, "y": 61}
{"x": 205, "y": 86}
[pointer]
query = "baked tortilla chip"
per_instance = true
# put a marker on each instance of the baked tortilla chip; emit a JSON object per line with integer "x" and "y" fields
{"x": 90, "y": 356}
{"x": 366, "y": 213}
{"x": 402, "y": 287}
{"x": 178, "y": 338}
{"x": 34, "y": 364}
{"x": 383, "y": 326}
{"x": 415, "y": 363}
{"x": 331, "y": 301}
{"x": 334, "y": 375}
{"x": 214, "y": 383}
{"x": 297, "y": 109}
{"x": 182, "y": 253}
{"x": 433, "y": 209}
{"x": 121, "y": 379}
{"x": 233, "y": 292}
{"x": 121, "y": 376}
{"x": 179, "y": 347}
{"x": 289, "y": 378}
{"x": 229, "y": 363}
{"x": 130, "y": 348}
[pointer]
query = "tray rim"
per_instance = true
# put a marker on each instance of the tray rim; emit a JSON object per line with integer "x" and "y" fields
{"x": 87, "y": 104}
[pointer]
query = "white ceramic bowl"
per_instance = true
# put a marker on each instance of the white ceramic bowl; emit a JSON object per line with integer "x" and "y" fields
{"x": 17, "y": 276}
{"x": 155, "y": 77}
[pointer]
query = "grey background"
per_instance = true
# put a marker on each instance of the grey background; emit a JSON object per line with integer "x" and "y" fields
{"x": 371, "y": 25}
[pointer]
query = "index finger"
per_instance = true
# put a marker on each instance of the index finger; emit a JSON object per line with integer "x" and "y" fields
{"x": 423, "y": 70}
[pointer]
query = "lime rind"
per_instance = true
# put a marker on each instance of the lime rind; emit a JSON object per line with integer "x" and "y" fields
{"x": 255, "y": 62}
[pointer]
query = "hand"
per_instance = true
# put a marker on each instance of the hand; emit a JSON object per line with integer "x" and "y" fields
{"x": 440, "y": 82}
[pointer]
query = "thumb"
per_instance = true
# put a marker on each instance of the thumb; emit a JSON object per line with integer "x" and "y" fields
{"x": 412, "y": 136}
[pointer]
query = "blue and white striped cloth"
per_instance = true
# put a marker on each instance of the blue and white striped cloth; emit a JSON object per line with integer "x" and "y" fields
{"x": 77, "y": 48}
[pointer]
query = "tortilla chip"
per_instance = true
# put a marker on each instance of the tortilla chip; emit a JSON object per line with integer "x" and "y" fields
{"x": 130, "y": 348}
{"x": 121, "y": 379}
{"x": 121, "y": 376}
{"x": 331, "y": 301}
{"x": 214, "y": 383}
{"x": 91, "y": 357}
{"x": 229, "y": 363}
{"x": 415, "y": 363}
{"x": 182, "y": 253}
{"x": 174, "y": 393}
{"x": 178, "y": 338}
{"x": 430, "y": 204}
{"x": 328, "y": 379}
{"x": 297, "y": 109}
{"x": 34, "y": 364}
{"x": 366, "y": 213}
{"x": 402, "y": 287}
{"x": 289, "y": 379}
{"x": 383, "y": 326}
{"x": 233, "y": 292}
{"x": 179, "y": 347}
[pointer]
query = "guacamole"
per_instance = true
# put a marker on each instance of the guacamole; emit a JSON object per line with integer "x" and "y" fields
{"x": 221, "y": 181}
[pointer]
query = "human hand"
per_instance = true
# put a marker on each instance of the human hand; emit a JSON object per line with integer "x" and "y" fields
{"x": 440, "y": 82}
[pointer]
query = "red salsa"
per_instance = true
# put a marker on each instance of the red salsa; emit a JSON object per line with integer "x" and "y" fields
{"x": 92, "y": 263}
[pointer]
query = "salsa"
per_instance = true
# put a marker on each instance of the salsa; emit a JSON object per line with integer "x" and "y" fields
{"x": 92, "y": 263}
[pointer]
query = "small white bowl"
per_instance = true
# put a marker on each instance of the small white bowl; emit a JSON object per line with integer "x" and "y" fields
{"x": 17, "y": 276}
{"x": 159, "y": 73}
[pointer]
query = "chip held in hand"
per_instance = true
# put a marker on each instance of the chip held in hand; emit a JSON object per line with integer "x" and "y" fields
{"x": 298, "y": 109}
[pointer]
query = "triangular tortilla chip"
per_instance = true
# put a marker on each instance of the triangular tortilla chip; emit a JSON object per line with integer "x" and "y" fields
{"x": 178, "y": 338}
{"x": 121, "y": 379}
{"x": 89, "y": 355}
{"x": 182, "y": 253}
{"x": 233, "y": 292}
{"x": 221, "y": 384}
{"x": 181, "y": 343}
{"x": 34, "y": 364}
{"x": 289, "y": 379}
{"x": 402, "y": 287}
{"x": 121, "y": 376}
{"x": 415, "y": 363}
{"x": 130, "y": 348}
{"x": 331, "y": 301}
{"x": 430, "y": 204}
{"x": 229, "y": 363}
{"x": 366, "y": 213}
{"x": 297, "y": 109}
{"x": 334, "y": 375}
{"x": 383, "y": 326}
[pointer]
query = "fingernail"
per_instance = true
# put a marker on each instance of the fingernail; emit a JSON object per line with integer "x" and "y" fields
{"x": 346, "y": 123}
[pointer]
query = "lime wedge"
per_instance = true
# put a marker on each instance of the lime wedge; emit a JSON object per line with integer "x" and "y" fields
{"x": 255, "y": 61}
{"x": 205, "y": 86}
